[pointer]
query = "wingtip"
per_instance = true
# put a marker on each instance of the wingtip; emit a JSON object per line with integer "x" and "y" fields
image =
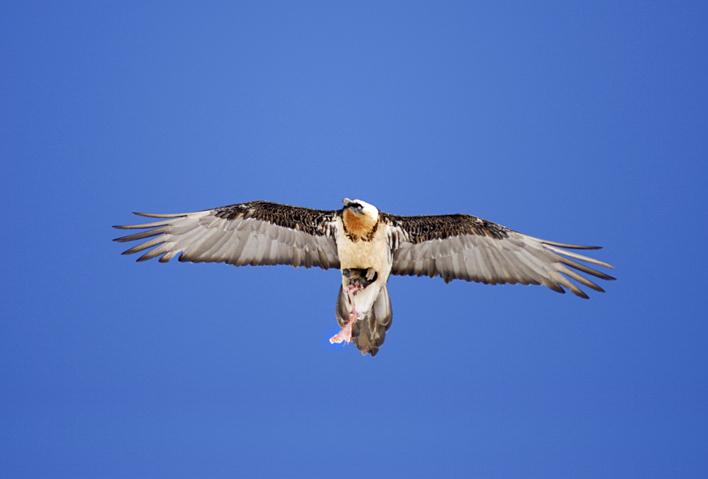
{"x": 162, "y": 216}
{"x": 583, "y": 247}
{"x": 583, "y": 295}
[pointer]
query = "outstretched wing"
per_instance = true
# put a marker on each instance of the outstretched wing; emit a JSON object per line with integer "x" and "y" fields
{"x": 473, "y": 249}
{"x": 255, "y": 233}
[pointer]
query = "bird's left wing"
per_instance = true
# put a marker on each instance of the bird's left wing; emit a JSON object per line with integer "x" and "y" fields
{"x": 470, "y": 248}
{"x": 255, "y": 233}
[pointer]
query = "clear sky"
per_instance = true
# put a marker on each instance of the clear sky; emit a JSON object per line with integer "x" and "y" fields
{"x": 581, "y": 122}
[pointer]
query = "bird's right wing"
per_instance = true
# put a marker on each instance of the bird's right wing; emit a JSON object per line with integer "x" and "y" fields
{"x": 470, "y": 248}
{"x": 255, "y": 233}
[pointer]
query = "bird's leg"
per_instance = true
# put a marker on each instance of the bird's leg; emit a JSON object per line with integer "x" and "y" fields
{"x": 346, "y": 333}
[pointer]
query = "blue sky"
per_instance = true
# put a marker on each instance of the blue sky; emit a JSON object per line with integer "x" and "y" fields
{"x": 581, "y": 122}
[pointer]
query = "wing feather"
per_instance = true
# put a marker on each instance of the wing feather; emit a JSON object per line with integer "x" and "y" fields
{"x": 255, "y": 233}
{"x": 470, "y": 248}
{"x": 570, "y": 254}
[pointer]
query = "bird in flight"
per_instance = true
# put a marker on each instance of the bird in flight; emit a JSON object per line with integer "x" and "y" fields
{"x": 367, "y": 246}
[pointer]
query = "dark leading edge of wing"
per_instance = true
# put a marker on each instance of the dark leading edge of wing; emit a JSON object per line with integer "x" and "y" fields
{"x": 472, "y": 249}
{"x": 255, "y": 233}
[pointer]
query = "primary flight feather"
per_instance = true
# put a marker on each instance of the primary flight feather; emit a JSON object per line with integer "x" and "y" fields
{"x": 367, "y": 246}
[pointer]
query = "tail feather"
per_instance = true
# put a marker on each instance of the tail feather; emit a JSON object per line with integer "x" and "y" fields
{"x": 369, "y": 332}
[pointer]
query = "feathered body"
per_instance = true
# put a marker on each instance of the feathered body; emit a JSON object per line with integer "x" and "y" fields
{"x": 367, "y": 246}
{"x": 365, "y": 259}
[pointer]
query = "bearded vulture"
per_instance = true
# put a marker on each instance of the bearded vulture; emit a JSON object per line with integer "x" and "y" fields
{"x": 366, "y": 245}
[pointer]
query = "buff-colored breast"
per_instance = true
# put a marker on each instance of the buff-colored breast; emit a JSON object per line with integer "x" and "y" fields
{"x": 362, "y": 254}
{"x": 359, "y": 225}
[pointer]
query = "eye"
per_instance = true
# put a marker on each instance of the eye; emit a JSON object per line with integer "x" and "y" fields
{"x": 355, "y": 205}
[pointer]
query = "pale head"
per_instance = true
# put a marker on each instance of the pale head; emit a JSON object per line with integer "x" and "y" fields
{"x": 359, "y": 207}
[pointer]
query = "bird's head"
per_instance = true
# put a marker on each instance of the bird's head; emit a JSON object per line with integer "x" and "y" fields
{"x": 360, "y": 208}
{"x": 359, "y": 216}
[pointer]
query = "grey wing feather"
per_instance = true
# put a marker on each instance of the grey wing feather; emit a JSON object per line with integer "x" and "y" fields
{"x": 255, "y": 233}
{"x": 472, "y": 249}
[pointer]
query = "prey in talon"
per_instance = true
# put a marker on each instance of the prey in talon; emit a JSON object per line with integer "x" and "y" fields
{"x": 360, "y": 278}
{"x": 354, "y": 280}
